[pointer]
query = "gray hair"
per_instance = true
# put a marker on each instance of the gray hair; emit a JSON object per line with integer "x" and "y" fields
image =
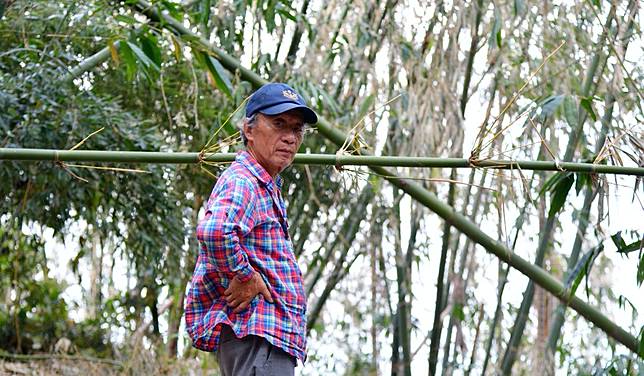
{"x": 251, "y": 121}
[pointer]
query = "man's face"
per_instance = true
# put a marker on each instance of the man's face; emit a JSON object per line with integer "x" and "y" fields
{"x": 275, "y": 139}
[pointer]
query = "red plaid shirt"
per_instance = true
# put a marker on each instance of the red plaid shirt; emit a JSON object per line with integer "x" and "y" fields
{"x": 245, "y": 230}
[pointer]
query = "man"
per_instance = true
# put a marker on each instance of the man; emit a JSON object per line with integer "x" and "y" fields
{"x": 246, "y": 300}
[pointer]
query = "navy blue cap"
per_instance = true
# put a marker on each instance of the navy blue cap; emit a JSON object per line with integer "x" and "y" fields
{"x": 276, "y": 98}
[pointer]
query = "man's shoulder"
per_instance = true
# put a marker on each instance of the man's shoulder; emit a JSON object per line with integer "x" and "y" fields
{"x": 237, "y": 173}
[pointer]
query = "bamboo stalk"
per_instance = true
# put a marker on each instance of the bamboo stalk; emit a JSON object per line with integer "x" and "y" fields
{"x": 22, "y": 154}
{"x": 441, "y": 291}
{"x": 297, "y": 35}
{"x": 90, "y": 63}
{"x": 346, "y": 237}
{"x": 462, "y": 266}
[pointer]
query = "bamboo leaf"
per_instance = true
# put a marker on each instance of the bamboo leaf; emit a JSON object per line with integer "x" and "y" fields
{"x": 586, "y": 104}
{"x": 458, "y": 312}
{"x": 582, "y": 180}
{"x": 582, "y": 269}
{"x": 560, "y": 192}
{"x": 129, "y": 59}
{"x": 551, "y": 183}
{"x": 217, "y": 73}
{"x": 171, "y": 7}
{"x": 570, "y": 111}
{"x": 114, "y": 52}
{"x": 204, "y": 12}
{"x": 177, "y": 47}
{"x": 496, "y": 28}
{"x": 621, "y": 245}
{"x": 640, "y": 270}
{"x": 269, "y": 18}
{"x": 622, "y": 300}
{"x": 142, "y": 57}
{"x": 285, "y": 13}
{"x": 550, "y": 105}
{"x": 150, "y": 47}
{"x": 366, "y": 106}
{"x": 125, "y": 19}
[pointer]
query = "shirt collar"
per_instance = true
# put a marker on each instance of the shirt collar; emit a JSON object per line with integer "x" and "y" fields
{"x": 248, "y": 161}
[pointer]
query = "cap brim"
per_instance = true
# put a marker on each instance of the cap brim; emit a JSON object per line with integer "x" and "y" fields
{"x": 310, "y": 117}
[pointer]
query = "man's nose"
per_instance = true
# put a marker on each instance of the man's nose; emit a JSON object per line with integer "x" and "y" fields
{"x": 289, "y": 136}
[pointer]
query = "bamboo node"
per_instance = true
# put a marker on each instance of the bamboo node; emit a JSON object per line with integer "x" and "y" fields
{"x": 338, "y": 165}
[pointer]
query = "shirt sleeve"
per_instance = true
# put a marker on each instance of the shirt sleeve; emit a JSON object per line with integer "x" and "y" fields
{"x": 228, "y": 219}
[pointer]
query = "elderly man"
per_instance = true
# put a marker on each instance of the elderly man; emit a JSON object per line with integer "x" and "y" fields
{"x": 246, "y": 299}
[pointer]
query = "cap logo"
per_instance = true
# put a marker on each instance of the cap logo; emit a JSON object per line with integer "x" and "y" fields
{"x": 290, "y": 94}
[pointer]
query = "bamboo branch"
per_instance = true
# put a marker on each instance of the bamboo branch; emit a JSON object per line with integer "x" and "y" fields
{"x": 152, "y": 157}
{"x": 91, "y": 62}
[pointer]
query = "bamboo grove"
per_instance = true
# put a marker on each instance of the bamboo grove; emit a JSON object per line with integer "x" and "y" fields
{"x": 365, "y": 201}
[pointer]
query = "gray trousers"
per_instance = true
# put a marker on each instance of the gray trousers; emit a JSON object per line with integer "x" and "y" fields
{"x": 251, "y": 355}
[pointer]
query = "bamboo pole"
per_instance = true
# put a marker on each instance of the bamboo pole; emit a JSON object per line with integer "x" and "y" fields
{"x": 441, "y": 291}
{"x": 428, "y": 199}
{"x": 21, "y": 154}
{"x": 90, "y": 63}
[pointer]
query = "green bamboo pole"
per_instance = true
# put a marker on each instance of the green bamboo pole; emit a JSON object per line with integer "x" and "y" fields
{"x": 441, "y": 291}
{"x": 535, "y": 273}
{"x": 90, "y": 63}
{"x": 20, "y": 154}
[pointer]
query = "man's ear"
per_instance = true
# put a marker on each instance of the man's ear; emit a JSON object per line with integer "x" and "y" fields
{"x": 248, "y": 131}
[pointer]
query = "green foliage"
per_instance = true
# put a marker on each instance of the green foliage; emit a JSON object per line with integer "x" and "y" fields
{"x": 495, "y": 35}
{"x": 621, "y": 245}
{"x": 558, "y": 185}
{"x": 550, "y": 104}
{"x": 582, "y": 269}
{"x": 36, "y": 315}
{"x": 586, "y": 104}
{"x": 217, "y": 73}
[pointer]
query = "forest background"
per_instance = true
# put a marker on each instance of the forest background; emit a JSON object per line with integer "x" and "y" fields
{"x": 94, "y": 264}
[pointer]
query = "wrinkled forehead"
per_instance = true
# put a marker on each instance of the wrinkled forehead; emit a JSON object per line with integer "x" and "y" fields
{"x": 294, "y": 116}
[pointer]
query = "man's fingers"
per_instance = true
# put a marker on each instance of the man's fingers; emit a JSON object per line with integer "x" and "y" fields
{"x": 267, "y": 294}
{"x": 234, "y": 302}
{"x": 241, "y": 307}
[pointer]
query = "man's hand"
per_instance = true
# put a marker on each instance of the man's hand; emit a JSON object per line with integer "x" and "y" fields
{"x": 239, "y": 294}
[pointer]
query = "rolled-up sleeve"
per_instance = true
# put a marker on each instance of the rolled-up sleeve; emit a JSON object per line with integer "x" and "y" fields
{"x": 229, "y": 218}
